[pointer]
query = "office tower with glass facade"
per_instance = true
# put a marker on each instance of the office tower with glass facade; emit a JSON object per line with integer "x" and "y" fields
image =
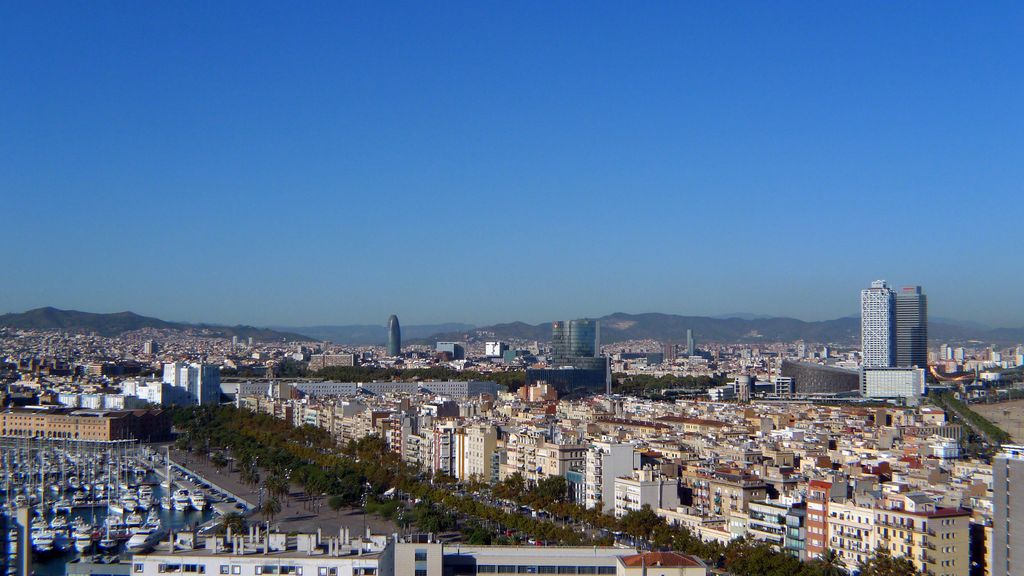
{"x": 394, "y": 336}
{"x": 911, "y": 327}
{"x": 574, "y": 339}
{"x": 878, "y": 325}
{"x": 576, "y": 364}
{"x": 691, "y": 345}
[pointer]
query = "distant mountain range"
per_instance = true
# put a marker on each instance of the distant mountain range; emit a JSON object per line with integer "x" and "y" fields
{"x": 120, "y": 322}
{"x": 616, "y": 327}
{"x": 739, "y": 327}
{"x": 371, "y": 334}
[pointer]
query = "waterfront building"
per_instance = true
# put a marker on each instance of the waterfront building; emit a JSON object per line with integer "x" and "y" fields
{"x": 85, "y": 425}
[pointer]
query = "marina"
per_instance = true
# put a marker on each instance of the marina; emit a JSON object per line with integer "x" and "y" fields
{"x": 99, "y": 499}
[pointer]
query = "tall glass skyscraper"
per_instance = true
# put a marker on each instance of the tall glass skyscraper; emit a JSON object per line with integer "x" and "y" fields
{"x": 394, "y": 336}
{"x": 911, "y": 327}
{"x": 576, "y": 364}
{"x": 877, "y": 325}
{"x": 574, "y": 339}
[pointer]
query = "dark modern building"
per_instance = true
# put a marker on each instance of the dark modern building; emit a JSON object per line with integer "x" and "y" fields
{"x": 819, "y": 379}
{"x": 574, "y": 382}
{"x": 911, "y": 327}
{"x": 394, "y": 336}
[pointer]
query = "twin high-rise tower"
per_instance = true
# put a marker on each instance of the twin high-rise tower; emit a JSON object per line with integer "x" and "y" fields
{"x": 893, "y": 326}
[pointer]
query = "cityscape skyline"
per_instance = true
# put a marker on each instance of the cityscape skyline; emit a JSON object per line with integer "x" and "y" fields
{"x": 635, "y": 250}
{"x": 653, "y": 153}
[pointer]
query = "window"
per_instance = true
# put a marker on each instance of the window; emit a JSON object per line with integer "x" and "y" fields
{"x": 138, "y": 567}
{"x": 225, "y": 569}
{"x": 486, "y": 569}
{"x": 421, "y": 555}
{"x": 236, "y": 569}
{"x": 322, "y": 571}
{"x": 421, "y": 572}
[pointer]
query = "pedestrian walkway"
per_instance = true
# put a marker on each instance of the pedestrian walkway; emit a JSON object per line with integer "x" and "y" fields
{"x": 299, "y": 512}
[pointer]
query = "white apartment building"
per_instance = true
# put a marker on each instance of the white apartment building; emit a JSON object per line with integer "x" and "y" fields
{"x": 645, "y": 487}
{"x": 605, "y": 462}
{"x": 199, "y": 382}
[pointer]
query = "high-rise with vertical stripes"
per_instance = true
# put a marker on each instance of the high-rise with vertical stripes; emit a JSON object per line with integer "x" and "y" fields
{"x": 877, "y": 325}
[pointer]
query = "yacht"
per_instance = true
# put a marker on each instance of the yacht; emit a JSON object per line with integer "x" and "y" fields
{"x": 43, "y": 541}
{"x": 62, "y": 505}
{"x": 83, "y": 538}
{"x": 134, "y": 519}
{"x": 146, "y": 537}
{"x": 129, "y": 503}
{"x": 182, "y": 500}
{"x": 198, "y": 500}
{"x": 59, "y": 522}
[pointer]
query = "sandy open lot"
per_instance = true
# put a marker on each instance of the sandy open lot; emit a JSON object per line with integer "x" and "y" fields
{"x": 1007, "y": 415}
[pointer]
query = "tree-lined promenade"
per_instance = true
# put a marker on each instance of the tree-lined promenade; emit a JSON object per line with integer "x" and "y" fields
{"x": 274, "y": 453}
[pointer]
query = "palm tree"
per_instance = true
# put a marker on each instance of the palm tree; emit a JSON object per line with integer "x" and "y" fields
{"x": 235, "y": 521}
{"x": 277, "y": 486}
{"x": 270, "y": 508}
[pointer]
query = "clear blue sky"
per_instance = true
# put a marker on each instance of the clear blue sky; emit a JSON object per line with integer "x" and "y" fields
{"x": 334, "y": 163}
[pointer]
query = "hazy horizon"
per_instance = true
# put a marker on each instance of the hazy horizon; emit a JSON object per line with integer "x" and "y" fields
{"x": 413, "y": 322}
{"x": 257, "y": 163}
